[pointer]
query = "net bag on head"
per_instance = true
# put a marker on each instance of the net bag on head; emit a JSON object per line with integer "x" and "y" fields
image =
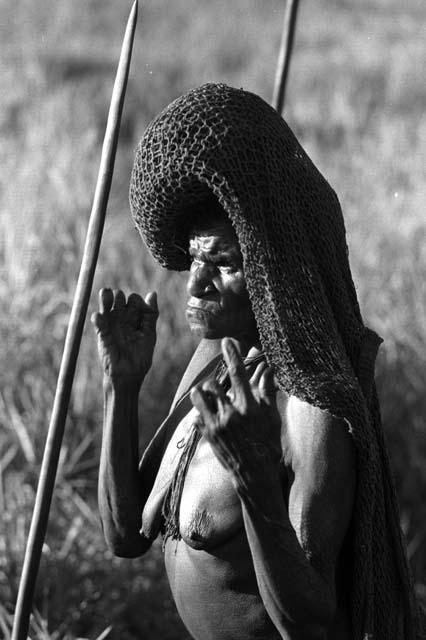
{"x": 229, "y": 142}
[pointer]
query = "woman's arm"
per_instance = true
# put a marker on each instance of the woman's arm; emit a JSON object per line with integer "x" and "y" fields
{"x": 126, "y": 339}
{"x": 294, "y": 549}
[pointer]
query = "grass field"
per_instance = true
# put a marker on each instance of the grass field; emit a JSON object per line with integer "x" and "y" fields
{"x": 356, "y": 100}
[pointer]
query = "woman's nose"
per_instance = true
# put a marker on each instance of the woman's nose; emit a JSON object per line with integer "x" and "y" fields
{"x": 200, "y": 281}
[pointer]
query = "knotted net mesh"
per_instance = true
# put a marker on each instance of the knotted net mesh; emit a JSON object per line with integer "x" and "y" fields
{"x": 229, "y": 142}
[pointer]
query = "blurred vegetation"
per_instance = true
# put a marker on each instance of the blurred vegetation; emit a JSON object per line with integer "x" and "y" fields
{"x": 356, "y": 101}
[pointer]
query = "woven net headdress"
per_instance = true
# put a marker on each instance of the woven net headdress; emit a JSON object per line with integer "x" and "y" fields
{"x": 229, "y": 142}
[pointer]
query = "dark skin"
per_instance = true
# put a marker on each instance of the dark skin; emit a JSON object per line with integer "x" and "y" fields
{"x": 269, "y": 494}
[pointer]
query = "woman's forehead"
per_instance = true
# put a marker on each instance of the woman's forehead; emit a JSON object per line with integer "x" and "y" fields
{"x": 214, "y": 238}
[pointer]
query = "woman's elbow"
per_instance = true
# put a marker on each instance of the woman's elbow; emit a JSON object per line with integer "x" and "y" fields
{"x": 126, "y": 546}
{"x": 307, "y": 620}
{"x": 129, "y": 548}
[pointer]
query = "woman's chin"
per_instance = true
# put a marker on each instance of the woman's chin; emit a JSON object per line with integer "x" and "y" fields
{"x": 203, "y": 330}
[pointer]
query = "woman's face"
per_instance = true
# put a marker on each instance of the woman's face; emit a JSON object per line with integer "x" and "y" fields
{"x": 219, "y": 304}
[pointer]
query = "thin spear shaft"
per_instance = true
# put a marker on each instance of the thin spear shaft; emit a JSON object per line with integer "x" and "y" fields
{"x": 72, "y": 341}
{"x": 284, "y": 57}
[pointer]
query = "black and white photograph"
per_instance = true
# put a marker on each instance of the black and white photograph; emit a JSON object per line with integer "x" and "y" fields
{"x": 213, "y": 320}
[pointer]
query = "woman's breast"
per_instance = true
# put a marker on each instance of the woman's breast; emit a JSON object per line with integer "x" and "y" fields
{"x": 216, "y": 592}
{"x": 210, "y": 510}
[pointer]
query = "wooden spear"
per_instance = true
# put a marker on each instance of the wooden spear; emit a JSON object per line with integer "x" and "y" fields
{"x": 72, "y": 341}
{"x": 284, "y": 57}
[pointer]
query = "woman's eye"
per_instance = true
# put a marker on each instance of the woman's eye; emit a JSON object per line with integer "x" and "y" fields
{"x": 225, "y": 268}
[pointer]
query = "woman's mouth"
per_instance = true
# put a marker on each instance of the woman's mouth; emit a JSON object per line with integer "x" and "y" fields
{"x": 202, "y": 306}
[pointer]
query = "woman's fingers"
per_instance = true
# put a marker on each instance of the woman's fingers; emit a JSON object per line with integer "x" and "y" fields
{"x": 119, "y": 299}
{"x": 151, "y": 301}
{"x": 237, "y": 374}
{"x": 106, "y": 299}
{"x": 267, "y": 387}
{"x": 98, "y": 320}
{"x": 135, "y": 300}
{"x": 255, "y": 379}
{"x": 138, "y": 311}
{"x": 149, "y": 305}
{"x": 200, "y": 401}
{"x": 211, "y": 402}
{"x": 214, "y": 390}
{"x": 135, "y": 309}
{"x": 150, "y": 313}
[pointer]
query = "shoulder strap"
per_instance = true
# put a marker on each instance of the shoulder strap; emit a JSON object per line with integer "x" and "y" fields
{"x": 202, "y": 363}
{"x": 206, "y": 356}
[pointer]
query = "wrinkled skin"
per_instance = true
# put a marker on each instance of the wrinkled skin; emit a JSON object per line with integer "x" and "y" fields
{"x": 268, "y": 496}
{"x": 218, "y": 303}
{"x": 126, "y": 335}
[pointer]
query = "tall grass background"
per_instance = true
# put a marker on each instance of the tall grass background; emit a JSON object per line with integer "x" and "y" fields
{"x": 356, "y": 100}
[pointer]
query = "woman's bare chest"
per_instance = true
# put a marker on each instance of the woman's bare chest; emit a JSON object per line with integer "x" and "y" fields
{"x": 210, "y": 510}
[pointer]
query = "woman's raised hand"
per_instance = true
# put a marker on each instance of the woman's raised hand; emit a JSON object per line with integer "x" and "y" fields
{"x": 126, "y": 335}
